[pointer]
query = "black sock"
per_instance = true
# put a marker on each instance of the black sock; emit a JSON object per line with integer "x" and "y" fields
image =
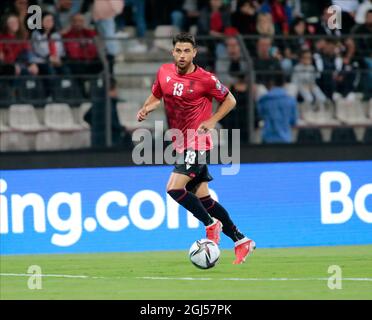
{"x": 192, "y": 203}
{"x": 219, "y": 212}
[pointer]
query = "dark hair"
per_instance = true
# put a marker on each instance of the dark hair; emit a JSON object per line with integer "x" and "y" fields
{"x": 184, "y": 37}
{"x": 45, "y": 14}
{"x": 279, "y": 79}
{"x": 295, "y": 22}
{"x": 276, "y": 79}
{"x": 4, "y": 22}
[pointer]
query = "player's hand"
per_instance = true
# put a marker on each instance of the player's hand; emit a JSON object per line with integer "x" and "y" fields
{"x": 205, "y": 126}
{"x": 142, "y": 114}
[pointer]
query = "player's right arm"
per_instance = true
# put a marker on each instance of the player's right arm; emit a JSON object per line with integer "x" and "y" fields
{"x": 153, "y": 101}
{"x": 150, "y": 105}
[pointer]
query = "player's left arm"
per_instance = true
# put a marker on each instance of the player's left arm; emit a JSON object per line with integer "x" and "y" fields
{"x": 225, "y": 107}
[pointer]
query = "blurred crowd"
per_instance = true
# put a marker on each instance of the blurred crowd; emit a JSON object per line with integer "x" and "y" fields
{"x": 74, "y": 19}
{"x": 288, "y": 37}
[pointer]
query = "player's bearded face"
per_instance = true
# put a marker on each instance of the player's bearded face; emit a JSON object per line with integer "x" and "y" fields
{"x": 183, "y": 53}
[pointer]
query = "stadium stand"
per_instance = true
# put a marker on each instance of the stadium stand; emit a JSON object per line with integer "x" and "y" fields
{"x": 340, "y": 67}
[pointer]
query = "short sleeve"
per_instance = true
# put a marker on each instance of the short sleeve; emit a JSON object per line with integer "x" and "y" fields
{"x": 156, "y": 88}
{"x": 216, "y": 89}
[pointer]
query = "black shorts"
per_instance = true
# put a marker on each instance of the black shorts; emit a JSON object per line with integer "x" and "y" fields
{"x": 193, "y": 164}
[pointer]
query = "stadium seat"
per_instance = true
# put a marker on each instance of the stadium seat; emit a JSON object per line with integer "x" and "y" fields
{"x": 23, "y": 117}
{"x": 351, "y": 112}
{"x": 309, "y": 136}
{"x": 49, "y": 140}
{"x": 32, "y": 91}
{"x": 320, "y": 117}
{"x": 343, "y": 135}
{"x": 127, "y": 112}
{"x": 13, "y": 140}
{"x": 367, "y": 138}
{"x": 80, "y": 112}
{"x": 66, "y": 90}
{"x": 58, "y": 117}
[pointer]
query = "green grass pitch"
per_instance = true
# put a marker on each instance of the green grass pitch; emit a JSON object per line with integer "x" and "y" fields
{"x": 290, "y": 273}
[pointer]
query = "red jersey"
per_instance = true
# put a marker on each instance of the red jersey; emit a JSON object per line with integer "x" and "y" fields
{"x": 83, "y": 49}
{"x": 188, "y": 102}
{"x": 12, "y": 50}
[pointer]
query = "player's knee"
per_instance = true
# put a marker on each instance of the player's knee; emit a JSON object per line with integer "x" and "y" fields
{"x": 176, "y": 194}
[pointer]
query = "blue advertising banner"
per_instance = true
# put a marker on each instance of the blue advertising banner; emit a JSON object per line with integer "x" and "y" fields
{"x": 128, "y": 209}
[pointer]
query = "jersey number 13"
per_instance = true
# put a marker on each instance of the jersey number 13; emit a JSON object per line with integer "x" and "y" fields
{"x": 178, "y": 89}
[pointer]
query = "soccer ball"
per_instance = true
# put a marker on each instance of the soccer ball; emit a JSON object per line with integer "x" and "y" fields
{"x": 204, "y": 253}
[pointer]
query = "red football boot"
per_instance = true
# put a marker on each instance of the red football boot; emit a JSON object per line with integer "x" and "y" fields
{"x": 214, "y": 230}
{"x": 243, "y": 248}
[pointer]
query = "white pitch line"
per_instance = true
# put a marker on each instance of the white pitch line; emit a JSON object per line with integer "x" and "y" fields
{"x": 251, "y": 279}
{"x": 176, "y": 278}
{"x": 43, "y": 275}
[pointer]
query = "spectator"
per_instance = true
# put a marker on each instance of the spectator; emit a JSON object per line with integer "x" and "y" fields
{"x": 361, "y": 13}
{"x": 293, "y": 46}
{"x": 171, "y": 12}
{"x": 174, "y": 14}
{"x": 245, "y": 17}
{"x": 346, "y": 47}
{"x": 227, "y": 69}
{"x": 48, "y": 51}
{"x": 192, "y": 9}
{"x": 238, "y": 117}
{"x": 364, "y": 53}
{"x": 348, "y": 10}
{"x": 336, "y": 76}
{"x": 213, "y": 21}
{"x": 265, "y": 26}
{"x": 266, "y": 62}
{"x": 63, "y": 11}
{"x": 48, "y": 47}
{"x": 15, "y": 52}
{"x": 281, "y": 14}
{"x": 278, "y": 110}
{"x": 104, "y": 13}
{"x": 138, "y": 10}
{"x": 81, "y": 52}
{"x": 20, "y": 8}
{"x": 321, "y": 28}
{"x": 304, "y": 77}
{"x": 327, "y": 64}
{"x": 96, "y": 118}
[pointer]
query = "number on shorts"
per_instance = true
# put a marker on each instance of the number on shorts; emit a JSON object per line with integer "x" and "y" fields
{"x": 190, "y": 157}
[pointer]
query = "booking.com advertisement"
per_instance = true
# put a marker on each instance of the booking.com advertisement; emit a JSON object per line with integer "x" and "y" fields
{"x": 128, "y": 209}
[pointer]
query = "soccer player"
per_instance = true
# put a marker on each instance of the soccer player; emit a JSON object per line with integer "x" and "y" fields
{"x": 187, "y": 91}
